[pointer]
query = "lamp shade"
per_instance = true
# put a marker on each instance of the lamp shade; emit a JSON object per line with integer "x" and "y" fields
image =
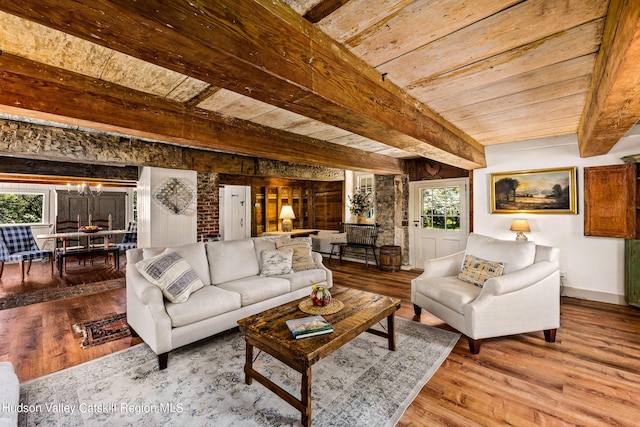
{"x": 520, "y": 225}
{"x": 287, "y": 212}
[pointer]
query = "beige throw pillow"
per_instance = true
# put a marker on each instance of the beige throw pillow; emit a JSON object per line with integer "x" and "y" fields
{"x": 302, "y": 259}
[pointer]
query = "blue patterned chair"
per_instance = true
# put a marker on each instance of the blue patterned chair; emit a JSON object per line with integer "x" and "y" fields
{"x": 18, "y": 245}
{"x": 130, "y": 240}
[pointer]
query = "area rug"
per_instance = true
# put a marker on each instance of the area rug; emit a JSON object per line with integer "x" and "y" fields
{"x": 98, "y": 332}
{"x": 360, "y": 384}
{"x": 60, "y": 293}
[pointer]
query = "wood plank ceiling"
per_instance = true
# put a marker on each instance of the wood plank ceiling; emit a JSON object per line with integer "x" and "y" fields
{"x": 354, "y": 84}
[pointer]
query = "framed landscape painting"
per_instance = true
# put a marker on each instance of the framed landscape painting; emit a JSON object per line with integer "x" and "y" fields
{"x": 544, "y": 191}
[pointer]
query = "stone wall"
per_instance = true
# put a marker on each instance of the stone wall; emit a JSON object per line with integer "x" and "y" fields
{"x": 392, "y": 212}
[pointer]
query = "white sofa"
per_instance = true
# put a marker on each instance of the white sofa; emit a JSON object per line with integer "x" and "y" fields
{"x": 9, "y": 395}
{"x": 525, "y": 298}
{"x": 233, "y": 289}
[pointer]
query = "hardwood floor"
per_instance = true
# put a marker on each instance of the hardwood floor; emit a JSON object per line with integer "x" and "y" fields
{"x": 589, "y": 377}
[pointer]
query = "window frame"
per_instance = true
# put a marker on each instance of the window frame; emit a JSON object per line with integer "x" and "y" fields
{"x": 45, "y": 202}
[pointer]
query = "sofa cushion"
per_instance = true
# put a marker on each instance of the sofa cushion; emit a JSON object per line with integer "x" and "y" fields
{"x": 302, "y": 259}
{"x": 256, "y": 288}
{"x": 231, "y": 260}
{"x": 515, "y": 255}
{"x": 172, "y": 274}
{"x": 194, "y": 253}
{"x": 477, "y": 271}
{"x": 203, "y": 304}
{"x": 448, "y": 291}
{"x": 276, "y": 261}
{"x": 305, "y": 278}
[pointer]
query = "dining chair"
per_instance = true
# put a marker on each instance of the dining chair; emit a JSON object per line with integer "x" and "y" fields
{"x": 130, "y": 240}
{"x": 18, "y": 245}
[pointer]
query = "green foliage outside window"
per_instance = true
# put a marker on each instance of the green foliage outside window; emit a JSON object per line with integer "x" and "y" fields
{"x": 20, "y": 208}
{"x": 441, "y": 208}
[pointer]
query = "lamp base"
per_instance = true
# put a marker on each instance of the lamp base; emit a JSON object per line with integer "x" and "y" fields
{"x": 520, "y": 237}
{"x": 287, "y": 225}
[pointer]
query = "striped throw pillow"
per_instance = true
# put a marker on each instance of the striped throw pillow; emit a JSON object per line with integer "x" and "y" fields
{"x": 172, "y": 274}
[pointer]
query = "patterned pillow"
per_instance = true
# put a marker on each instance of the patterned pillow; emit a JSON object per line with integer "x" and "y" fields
{"x": 172, "y": 274}
{"x": 477, "y": 270}
{"x": 302, "y": 259}
{"x": 276, "y": 262}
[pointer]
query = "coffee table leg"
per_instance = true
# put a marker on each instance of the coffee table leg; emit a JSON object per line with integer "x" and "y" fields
{"x": 248, "y": 364}
{"x": 391, "y": 331}
{"x": 305, "y": 394}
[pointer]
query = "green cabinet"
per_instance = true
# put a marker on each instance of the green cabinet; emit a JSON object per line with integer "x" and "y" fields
{"x": 632, "y": 272}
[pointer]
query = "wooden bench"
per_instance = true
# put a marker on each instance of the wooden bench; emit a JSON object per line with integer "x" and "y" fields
{"x": 81, "y": 254}
{"x": 358, "y": 236}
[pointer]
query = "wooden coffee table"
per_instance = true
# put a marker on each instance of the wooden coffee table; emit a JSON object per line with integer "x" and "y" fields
{"x": 268, "y": 332}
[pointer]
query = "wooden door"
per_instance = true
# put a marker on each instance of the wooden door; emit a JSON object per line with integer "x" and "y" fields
{"x": 99, "y": 207}
{"x": 609, "y": 201}
{"x": 438, "y": 211}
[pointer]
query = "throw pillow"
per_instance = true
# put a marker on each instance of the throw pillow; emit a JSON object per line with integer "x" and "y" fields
{"x": 477, "y": 270}
{"x": 276, "y": 262}
{"x": 338, "y": 238}
{"x": 172, "y": 274}
{"x": 302, "y": 258}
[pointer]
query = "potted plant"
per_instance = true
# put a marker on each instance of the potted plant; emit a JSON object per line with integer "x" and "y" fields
{"x": 360, "y": 203}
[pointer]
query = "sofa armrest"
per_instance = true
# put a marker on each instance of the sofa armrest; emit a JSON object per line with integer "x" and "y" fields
{"x": 317, "y": 258}
{"x": 146, "y": 312}
{"x": 520, "y": 279}
{"x": 449, "y": 265}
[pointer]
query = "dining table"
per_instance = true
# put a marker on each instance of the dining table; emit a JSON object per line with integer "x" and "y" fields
{"x": 88, "y": 252}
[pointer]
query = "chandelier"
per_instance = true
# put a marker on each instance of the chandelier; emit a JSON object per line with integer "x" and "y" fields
{"x": 84, "y": 189}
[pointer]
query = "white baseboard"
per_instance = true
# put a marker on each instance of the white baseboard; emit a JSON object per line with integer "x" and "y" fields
{"x": 593, "y": 295}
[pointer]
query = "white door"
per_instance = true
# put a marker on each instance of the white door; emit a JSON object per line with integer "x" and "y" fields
{"x": 439, "y": 219}
{"x": 235, "y": 211}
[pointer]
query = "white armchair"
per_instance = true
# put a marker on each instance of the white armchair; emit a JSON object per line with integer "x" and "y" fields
{"x": 525, "y": 298}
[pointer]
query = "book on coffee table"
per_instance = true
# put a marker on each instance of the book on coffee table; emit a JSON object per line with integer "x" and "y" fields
{"x": 309, "y": 326}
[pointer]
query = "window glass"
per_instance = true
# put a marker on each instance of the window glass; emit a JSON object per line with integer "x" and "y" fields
{"x": 366, "y": 182}
{"x": 21, "y": 208}
{"x": 441, "y": 208}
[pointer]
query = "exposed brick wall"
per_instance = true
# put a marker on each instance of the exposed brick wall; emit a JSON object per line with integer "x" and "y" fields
{"x": 208, "y": 204}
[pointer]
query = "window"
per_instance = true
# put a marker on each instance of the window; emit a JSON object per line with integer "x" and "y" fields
{"x": 366, "y": 182}
{"x": 21, "y": 208}
{"x": 441, "y": 208}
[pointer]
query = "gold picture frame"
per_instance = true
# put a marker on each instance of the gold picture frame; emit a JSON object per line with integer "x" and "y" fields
{"x": 541, "y": 191}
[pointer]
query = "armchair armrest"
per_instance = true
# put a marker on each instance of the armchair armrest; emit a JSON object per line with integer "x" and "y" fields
{"x": 519, "y": 279}
{"x": 449, "y": 265}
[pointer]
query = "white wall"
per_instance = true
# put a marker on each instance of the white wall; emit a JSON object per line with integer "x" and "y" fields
{"x": 594, "y": 265}
{"x": 157, "y": 225}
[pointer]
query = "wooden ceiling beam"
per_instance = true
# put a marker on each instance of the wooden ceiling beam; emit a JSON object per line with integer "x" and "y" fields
{"x": 265, "y": 50}
{"x": 613, "y": 101}
{"x": 44, "y": 92}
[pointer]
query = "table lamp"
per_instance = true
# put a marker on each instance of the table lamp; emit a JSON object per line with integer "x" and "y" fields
{"x": 286, "y": 215}
{"x": 520, "y": 226}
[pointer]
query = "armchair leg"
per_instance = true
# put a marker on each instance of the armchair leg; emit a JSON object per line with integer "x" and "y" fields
{"x": 1, "y": 268}
{"x": 163, "y": 360}
{"x": 474, "y": 345}
{"x": 29, "y": 267}
{"x": 417, "y": 310}
{"x": 550, "y": 335}
{"x": 22, "y": 269}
